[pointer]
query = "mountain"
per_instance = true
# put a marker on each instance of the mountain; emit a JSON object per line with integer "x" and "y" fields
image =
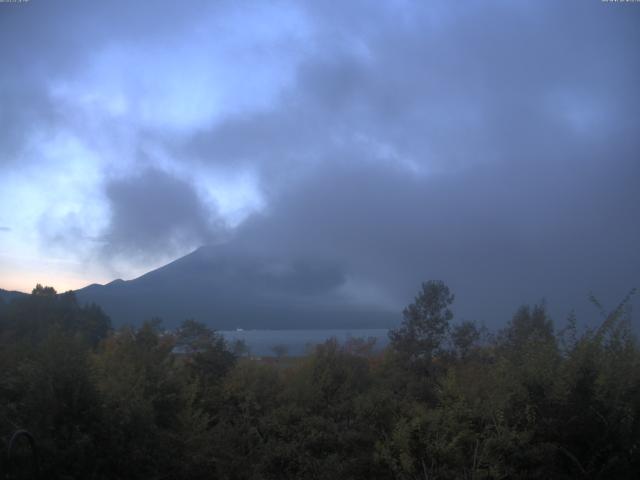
{"x": 229, "y": 289}
{"x": 8, "y": 295}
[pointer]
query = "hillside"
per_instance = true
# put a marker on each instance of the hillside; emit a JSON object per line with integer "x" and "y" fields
{"x": 8, "y": 295}
{"x": 228, "y": 289}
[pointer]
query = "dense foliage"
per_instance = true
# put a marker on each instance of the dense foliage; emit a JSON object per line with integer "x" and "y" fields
{"x": 444, "y": 401}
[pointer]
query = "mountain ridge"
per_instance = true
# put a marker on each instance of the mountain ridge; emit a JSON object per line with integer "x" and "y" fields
{"x": 228, "y": 289}
{"x": 8, "y": 295}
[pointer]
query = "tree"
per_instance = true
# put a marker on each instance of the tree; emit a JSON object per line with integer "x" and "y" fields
{"x": 280, "y": 350}
{"x": 41, "y": 291}
{"x": 32, "y": 318}
{"x": 425, "y": 324}
{"x": 529, "y": 327}
{"x": 209, "y": 355}
{"x": 464, "y": 338}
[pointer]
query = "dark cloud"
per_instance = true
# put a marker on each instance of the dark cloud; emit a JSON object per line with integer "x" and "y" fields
{"x": 494, "y": 146}
{"x": 499, "y": 237}
{"x": 156, "y": 213}
{"x": 481, "y": 84}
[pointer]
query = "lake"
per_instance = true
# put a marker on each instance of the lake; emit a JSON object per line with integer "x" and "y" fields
{"x": 298, "y": 342}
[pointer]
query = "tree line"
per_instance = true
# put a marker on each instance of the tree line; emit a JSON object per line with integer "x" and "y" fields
{"x": 444, "y": 400}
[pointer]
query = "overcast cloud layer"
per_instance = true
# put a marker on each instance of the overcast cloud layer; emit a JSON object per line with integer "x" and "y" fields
{"x": 494, "y": 145}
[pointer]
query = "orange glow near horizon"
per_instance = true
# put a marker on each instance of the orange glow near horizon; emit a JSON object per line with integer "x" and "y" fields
{"x": 26, "y": 281}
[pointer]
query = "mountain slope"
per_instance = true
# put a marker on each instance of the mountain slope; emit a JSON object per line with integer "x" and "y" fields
{"x": 228, "y": 289}
{"x": 8, "y": 295}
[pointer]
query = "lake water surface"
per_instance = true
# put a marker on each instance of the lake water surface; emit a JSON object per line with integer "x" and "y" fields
{"x": 298, "y": 342}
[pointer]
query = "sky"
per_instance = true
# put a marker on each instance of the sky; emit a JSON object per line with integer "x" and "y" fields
{"x": 492, "y": 144}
